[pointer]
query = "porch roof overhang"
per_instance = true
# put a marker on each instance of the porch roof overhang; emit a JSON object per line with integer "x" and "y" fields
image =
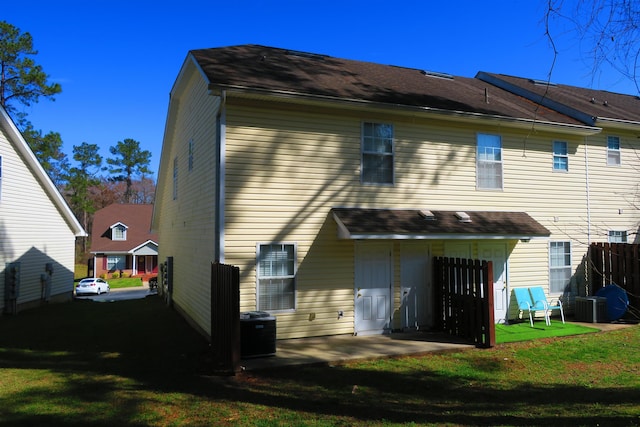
{"x": 400, "y": 224}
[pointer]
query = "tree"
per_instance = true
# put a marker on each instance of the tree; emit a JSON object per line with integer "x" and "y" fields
{"x": 129, "y": 161}
{"x": 81, "y": 179}
{"x": 608, "y": 32}
{"x": 21, "y": 79}
{"x": 48, "y": 150}
{"x": 24, "y": 82}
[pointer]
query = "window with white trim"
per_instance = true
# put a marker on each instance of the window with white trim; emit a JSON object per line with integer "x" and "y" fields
{"x": 489, "y": 162}
{"x": 616, "y": 236}
{"x": 559, "y": 266}
{"x": 119, "y": 232}
{"x": 116, "y": 262}
{"x": 613, "y": 151}
{"x": 276, "y": 271}
{"x": 175, "y": 178}
{"x": 377, "y": 153}
{"x": 560, "y": 156}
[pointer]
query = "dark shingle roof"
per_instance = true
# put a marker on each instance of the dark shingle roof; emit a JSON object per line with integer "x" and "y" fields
{"x": 594, "y": 104}
{"x": 363, "y": 223}
{"x": 136, "y": 217}
{"x": 262, "y": 68}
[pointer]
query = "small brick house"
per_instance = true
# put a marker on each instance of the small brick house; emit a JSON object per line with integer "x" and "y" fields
{"x": 122, "y": 241}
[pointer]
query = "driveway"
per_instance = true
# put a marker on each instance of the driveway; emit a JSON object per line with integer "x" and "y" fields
{"x": 121, "y": 294}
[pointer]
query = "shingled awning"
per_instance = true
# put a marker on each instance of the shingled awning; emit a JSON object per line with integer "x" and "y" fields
{"x": 359, "y": 223}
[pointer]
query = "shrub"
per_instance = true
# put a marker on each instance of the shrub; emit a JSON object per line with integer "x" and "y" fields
{"x": 115, "y": 275}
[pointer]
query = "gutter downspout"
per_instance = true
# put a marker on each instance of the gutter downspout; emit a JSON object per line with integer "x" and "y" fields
{"x": 221, "y": 121}
{"x": 587, "y": 189}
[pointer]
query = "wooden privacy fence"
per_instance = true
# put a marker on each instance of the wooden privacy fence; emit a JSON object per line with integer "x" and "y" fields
{"x": 617, "y": 263}
{"x": 464, "y": 299}
{"x": 225, "y": 318}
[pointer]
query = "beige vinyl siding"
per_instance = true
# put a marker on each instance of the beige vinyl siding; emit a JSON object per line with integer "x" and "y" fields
{"x": 32, "y": 231}
{"x": 287, "y": 166}
{"x": 286, "y": 169}
{"x": 614, "y": 190}
{"x": 187, "y": 226}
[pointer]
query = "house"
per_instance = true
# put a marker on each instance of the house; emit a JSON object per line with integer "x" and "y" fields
{"x": 122, "y": 241}
{"x": 332, "y": 184}
{"x": 37, "y": 229}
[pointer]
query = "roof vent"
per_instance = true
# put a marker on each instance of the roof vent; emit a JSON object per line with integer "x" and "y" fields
{"x": 426, "y": 214}
{"x": 437, "y": 75}
{"x": 463, "y": 217}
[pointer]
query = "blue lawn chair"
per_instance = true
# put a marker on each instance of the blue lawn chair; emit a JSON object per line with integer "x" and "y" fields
{"x": 526, "y": 303}
{"x": 540, "y": 299}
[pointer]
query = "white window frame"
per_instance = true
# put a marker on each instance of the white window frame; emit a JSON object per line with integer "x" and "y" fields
{"x": 372, "y": 147}
{"x": 614, "y": 155}
{"x": 281, "y": 300}
{"x": 617, "y": 236}
{"x": 560, "y": 267}
{"x": 116, "y": 262}
{"x": 486, "y": 161}
{"x": 560, "y": 157}
{"x": 119, "y": 232}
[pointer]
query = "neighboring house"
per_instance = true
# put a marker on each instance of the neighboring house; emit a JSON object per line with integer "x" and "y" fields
{"x": 333, "y": 183}
{"x": 37, "y": 228}
{"x": 122, "y": 241}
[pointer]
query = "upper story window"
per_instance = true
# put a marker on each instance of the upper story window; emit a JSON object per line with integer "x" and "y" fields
{"x": 560, "y": 156}
{"x": 191, "y": 154}
{"x": 377, "y": 153}
{"x": 489, "y": 162}
{"x": 175, "y": 178}
{"x": 276, "y": 276}
{"x": 616, "y": 236}
{"x": 119, "y": 232}
{"x": 613, "y": 151}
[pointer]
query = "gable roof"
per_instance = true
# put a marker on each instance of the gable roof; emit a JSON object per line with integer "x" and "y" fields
{"x": 590, "y": 106}
{"x": 286, "y": 73}
{"x": 360, "y": 223}
{"x": 16, "y": 139}
{"x": 137, "y": 219}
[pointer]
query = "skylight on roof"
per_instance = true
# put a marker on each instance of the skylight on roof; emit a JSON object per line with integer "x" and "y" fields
{"x": 542, "y": 82}
{"x": 437, "y": 75}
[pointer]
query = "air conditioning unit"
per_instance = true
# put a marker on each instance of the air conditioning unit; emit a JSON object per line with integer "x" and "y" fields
{"x": 591, "y": 309}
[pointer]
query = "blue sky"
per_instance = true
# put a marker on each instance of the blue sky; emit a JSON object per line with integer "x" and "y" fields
{"x": 117, "y": 60}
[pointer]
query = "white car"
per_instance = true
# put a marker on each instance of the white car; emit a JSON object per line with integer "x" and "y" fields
{"x": 92, "y": 286}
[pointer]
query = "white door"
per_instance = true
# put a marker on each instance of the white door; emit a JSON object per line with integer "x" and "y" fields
{"x": 497, "y": 253}
{"x": 373, "y": 281}
{"x": 416, "y": 288}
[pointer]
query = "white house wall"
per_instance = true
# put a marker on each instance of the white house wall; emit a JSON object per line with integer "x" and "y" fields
{"x": 32, "y": 231}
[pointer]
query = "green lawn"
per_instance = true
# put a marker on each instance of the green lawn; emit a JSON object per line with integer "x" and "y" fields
{"x": 127, "y": 282}
{"x": 137, "y": 363}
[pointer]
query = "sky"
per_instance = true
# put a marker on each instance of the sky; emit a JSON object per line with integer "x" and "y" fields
{"x": 117, "y": 60}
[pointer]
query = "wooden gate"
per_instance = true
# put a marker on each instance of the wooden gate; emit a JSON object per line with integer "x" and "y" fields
{"x": 617, "y": 263}
{"x": 464, "y": 299}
